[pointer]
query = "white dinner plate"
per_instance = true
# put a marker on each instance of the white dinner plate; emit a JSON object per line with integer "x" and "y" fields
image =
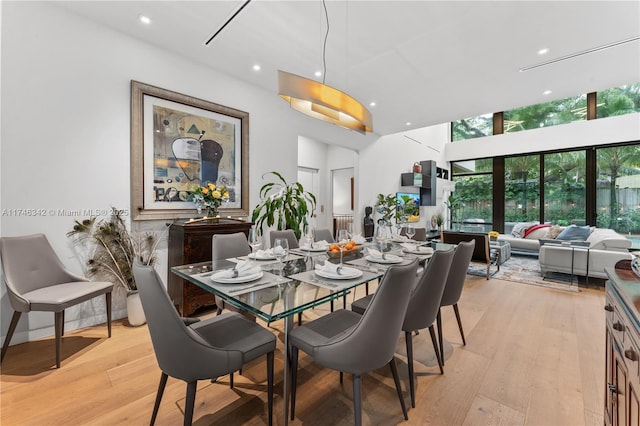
{"x": 390, "y": 258}
{"x": 237, "y": 280}
{"x": 263, "y": 257}
{"x": 313, "y": 249}
{"x": 347, "y": 274}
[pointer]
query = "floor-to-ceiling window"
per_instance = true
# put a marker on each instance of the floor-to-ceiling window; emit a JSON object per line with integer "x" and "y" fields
{"x": 564, "y": 188}
{"x": 471, "y": 205}
{"x": 618, "y": 188}
{"x": 521, "y": 189}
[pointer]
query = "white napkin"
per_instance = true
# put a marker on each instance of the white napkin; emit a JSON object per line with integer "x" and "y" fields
{"x": 264, "y": 253}
{"x": 409, "y": 246}
{"x": 244, "y": 268}
{"x": 374, "y": 253}
{"x": 322, "y": 244}
{"x": 359, "y": 239}
{"x": 328, "y": 267}
{"x": 399, "y": 238}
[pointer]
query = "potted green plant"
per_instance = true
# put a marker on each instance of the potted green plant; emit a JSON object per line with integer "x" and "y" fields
{"x": 283, "y": 204}
{"x": 111, "y": 250}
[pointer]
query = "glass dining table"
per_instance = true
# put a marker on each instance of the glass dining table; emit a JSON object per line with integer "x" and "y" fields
{"x": 304, "y": 284}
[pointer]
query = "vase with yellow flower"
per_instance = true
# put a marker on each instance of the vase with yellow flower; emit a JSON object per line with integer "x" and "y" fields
{"x": 208, "y": 198}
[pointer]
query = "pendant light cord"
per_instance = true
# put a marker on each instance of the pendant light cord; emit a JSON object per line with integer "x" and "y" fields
{"x": 324, "y": 45}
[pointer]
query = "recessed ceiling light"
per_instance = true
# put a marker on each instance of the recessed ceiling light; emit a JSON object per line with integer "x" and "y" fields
{"x": 546, "y": 92}
{"x": 144, "y": 19}
{"x": 408, "y": 123}
{"x": 372, "y": 104}
{"x": 317, "y": 73}
{"x": 543, "y": 51}
{"x": 256, "y": 67}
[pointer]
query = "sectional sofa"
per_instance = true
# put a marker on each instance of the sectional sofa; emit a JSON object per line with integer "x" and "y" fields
{"x": 588, "y": 249}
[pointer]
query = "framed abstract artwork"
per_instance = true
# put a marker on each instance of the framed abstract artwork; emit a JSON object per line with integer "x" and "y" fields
{"x": 178, "y": 143}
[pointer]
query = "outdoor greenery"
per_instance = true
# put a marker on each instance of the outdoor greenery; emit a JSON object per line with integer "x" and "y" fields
{"x": 615, "y": 101}
{"x": 564, "y": 189}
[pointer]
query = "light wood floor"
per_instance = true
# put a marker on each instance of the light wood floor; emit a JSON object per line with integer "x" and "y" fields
{"x": 534, "y": 356}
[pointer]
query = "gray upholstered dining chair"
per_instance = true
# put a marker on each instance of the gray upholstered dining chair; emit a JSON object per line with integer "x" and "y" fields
{"x": 200, "y": 350}
{"x": 288, "y": 234}
{"x": 420, "y": 235}
{"x": 37, "y": 280}
{"x": 349, "y": 342}
{"x": 227, "y": 246}
{"x": 453, "y": 288}
{"x": 423, "y": 307}
{"x": 323, "y": 234}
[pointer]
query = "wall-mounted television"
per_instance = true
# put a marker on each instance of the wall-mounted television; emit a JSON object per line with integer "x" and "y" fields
{"x": 408, "y": 205}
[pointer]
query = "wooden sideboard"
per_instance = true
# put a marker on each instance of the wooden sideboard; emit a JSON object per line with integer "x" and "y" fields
{"x": 622, "y": 384}
{"x": 191, "y": 243}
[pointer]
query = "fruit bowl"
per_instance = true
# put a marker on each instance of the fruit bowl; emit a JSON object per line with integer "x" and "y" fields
{"x": 347, "y": 252}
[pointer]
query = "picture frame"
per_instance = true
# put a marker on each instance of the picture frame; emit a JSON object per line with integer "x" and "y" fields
{"x": 179, "y": 142}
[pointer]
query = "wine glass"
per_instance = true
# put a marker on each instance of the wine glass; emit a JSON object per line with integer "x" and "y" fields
{"x": 350, "y": 230}
{"x": 307, "y": 237}
{"x": 255, "y": 239}
{"x": 381, "y": 236}
{"x": 410, "y": 231}
{"x": 342, "y": 240}
{"x": 281, "y": 251}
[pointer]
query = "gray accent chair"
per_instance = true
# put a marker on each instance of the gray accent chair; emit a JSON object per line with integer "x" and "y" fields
{"x": 423, "y": 307}
{"x": 226, "y": 246}
{"x": 421, "y": 233}
{"x": 323, "y": 234}
{"x": 37, "y": 280}
{"x": 349, "y": 342}
{"x": 193, "y": 351}
{"x": 453, "y": 288}
{"x": 288, "y": 234}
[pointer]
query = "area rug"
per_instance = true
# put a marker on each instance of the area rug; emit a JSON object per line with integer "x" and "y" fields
{"x": 526, "y": 269}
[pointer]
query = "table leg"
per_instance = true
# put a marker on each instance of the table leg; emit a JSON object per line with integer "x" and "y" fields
{"x": 288, "y": 326}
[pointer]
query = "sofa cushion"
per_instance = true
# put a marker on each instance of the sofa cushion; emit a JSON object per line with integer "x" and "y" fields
{"x": 520, "y": 228}
{"x": 608, "y": 239}
{"x": 536, "y": 231}
{"x": 574, "y": 233}
{"x": 553, "y": 231}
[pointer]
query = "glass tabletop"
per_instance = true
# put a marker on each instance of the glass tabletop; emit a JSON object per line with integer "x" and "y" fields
{"x": 270, "y": 299}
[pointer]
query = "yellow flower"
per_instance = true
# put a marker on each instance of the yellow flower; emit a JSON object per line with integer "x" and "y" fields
{"x": 211, "y": 186}
{"x": 205, "y": 190}
{"x": 216, "y": 194}
{"x": 494, "y": 234}
{"x": 226, "y": 195}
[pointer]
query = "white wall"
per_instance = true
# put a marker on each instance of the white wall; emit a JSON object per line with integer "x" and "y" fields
{"x": 382, "y": 163}
{"x": 65, "y": 111}
{"x": 313, "y": 154}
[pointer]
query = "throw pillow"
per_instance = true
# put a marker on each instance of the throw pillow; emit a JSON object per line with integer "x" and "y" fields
{"x": 535, "y": 228}
{"x": 553, "y": 232}
{"x": 574, "y": 233}
{"x": 520, "y": 228}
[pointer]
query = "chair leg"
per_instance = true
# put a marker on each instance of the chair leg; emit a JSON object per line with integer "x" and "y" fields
{"x": 270, "y": 357}
{"x": 341, "y": 377}
{"x": 62, "y": 332}
{"x": 156, "y": 406}
{"x": 58, "y": 325}
{"x": 108, "y": 297}
{"x": 190, "y": 402}
{"x": 436, "y": 349}
{"x": 357, "y": 400}
{"x": 12, "y": 328}
{"x": 299, "y": 318}
{"x": 231, "y": 380}
{"x": 396, "y": 380}
{"x": 294, "y": 379}
{"x": 439, "y": 322}
{"x": 455, "y": 309}
{"x": 409, "y": 342}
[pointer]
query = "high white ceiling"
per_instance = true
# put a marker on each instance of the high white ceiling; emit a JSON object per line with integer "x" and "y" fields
{"x": 423, "y": 62}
